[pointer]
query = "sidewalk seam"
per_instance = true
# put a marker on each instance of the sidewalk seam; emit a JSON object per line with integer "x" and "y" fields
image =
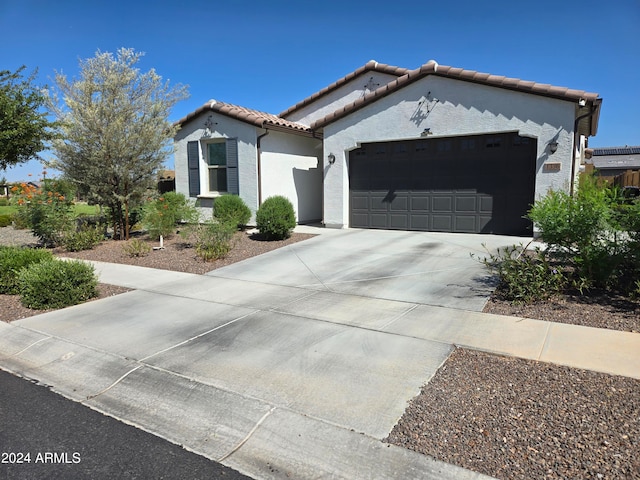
{"x": 249, "y": 435}
{"x": 546, "y": 341}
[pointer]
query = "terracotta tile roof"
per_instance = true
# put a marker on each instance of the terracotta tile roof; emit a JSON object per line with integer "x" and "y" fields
{"x": 371, "y": 65}
{"x": 248, "y": 115}
{"x": 432, "y": 68}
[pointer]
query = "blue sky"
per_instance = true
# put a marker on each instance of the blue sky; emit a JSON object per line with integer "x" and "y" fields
{"x": 270, "y": 55}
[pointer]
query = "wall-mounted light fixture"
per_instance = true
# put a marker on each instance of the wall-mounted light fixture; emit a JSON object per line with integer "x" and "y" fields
{"x": 426, "y": 132}
{"x": 553, "y": 146}
{"x": 332, "y": 158}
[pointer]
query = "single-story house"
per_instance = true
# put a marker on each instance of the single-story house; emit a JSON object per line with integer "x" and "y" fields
{"x": 437, "y": 148}
{"x": 613, "y": 161}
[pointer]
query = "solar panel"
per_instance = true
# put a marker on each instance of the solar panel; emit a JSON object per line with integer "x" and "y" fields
{"x": 616, "y": 151}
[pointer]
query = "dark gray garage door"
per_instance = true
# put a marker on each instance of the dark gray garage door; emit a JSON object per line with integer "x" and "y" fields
{"x": 473, "y": 184}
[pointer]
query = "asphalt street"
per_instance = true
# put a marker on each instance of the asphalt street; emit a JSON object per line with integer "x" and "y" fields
{"x": 46, "y": 436}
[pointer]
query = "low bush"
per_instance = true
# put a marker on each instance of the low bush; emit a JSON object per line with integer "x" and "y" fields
{"x": 524, "y": 276}
{"x": 276, "y": 218}
{"x": 161, "y": 216}
{"x": 231, "y": 209}
{"x": 14, "y": 259}
{"x": 4, "y": 202}
{"x": 5, "y": 220}
{"x": 212, "y": 240}
{"x": 593, "y": 233}
{"x": 85, "y": 238}
{"x": 20, "y": 219}
{"x": 57, "y": 284}
{"x": 136, "y": 248}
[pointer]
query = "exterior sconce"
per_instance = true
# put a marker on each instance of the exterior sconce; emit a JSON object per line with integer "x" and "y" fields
{"x": 426, "y": 131}
{"x": 331, "y": 158}
{"x": 553, "y": 147}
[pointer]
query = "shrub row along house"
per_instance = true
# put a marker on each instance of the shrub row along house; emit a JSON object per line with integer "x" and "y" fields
{"x": 433, "y": 149}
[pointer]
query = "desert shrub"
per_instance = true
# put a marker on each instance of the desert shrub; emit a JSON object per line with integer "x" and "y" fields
{"x": 5, "y": 220}
{"x": 212, "y": 240}
{"x": 20, "y": 219}
{"x": 161, "y": 215}
{"x": 48, "y": 213}
{"x": 524, "y": 276}
{"x": 231, "y": 209}
{"x": 56, "y": 284}
{"x": 84, "y": 238}
{"x": 14, "y": 259}
{"x": 136, "y": 248}
{"x": 276, "y": 218}
{"x": 589, "y": 233}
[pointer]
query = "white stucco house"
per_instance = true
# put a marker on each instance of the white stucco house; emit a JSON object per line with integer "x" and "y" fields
{"x": 434, "y": 149}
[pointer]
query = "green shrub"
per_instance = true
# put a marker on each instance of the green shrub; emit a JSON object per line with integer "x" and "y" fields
{"x": 231, "y": 209}
{"x": 588, "y": 232}
{"x": 212, "y": 240}
{"x": 136, "y": 248}
{"x": 5, "y": 220}
{"x": 85, "y": 238}
{"x": 4, "y": 202}
{"x": 161, "y": 216}
{"x": 20, "y": 219}
{"x": 276, "y": 218}
{"x": 14, "y": 259}
{"x": 57, "y": 283}
{"x": 524, "y": 276}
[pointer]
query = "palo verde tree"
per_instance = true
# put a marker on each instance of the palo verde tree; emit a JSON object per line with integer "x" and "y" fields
{"x": 24, "y": 127}
{"x": 115, "y": 131}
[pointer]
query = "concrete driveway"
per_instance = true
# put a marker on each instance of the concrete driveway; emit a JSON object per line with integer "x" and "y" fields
{"x": 417, "y": 267}
{"x": 296, "y": 359}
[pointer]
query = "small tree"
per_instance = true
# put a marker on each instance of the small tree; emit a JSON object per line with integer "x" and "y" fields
{"x": 116, "y": 132}
{"x": 24, "y": 128}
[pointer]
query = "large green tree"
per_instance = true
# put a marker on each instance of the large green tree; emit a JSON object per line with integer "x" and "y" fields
{"x": 24, "y": 127}
{"x": 115, "y": 129}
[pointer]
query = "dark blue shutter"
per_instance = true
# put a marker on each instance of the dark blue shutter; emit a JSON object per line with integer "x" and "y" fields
{"x": 232, "y": 166}
{"x": 193, "y": 159}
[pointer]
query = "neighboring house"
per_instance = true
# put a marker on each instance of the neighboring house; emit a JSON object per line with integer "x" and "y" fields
{"x": 612, "y": 161}
{"x": 435, "y": 149}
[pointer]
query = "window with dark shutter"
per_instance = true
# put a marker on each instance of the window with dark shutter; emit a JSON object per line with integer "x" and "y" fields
{"x": 232, "y": 166}
{"x": 193, "y": 160}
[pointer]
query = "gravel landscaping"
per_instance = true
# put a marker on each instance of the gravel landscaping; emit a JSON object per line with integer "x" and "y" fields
{"x": 505, "y": 417}
{"x": 519, "y": 419}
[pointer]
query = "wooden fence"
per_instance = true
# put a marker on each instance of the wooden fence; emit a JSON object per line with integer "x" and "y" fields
{"x": 630, "y": 178}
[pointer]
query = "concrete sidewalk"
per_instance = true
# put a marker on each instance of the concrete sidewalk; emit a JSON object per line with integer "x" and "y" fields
{"x": 601, "y": 350}
{"x": 278, "y": 381}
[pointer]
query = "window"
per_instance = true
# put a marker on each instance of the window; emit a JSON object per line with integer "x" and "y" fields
{"x": 217, "y": 163}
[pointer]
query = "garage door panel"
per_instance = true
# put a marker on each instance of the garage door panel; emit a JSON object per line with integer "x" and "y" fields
{"x": 442, "y": 204}
{"x": 378, "y": 220}
{"x": 466, "y": 204}
{"x": 359, "y": 202}
{"x": 399, "y": 222}
{"x": 465, "y": 224}
{"x": 378, "y": 203}
{"x": 441, "y": 223}
{"x": 477, "y": 183}
{"x": 400, "y": 203}
{"x": 420, "y": 202}
{"x": 419, "y": 222}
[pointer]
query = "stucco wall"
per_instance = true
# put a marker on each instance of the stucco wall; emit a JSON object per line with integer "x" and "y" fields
{"x": 462, "y": 108}
{"x": 345, "y": 94}
{"x": 292, "y": 166}
{"x": 223, "y": 127}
